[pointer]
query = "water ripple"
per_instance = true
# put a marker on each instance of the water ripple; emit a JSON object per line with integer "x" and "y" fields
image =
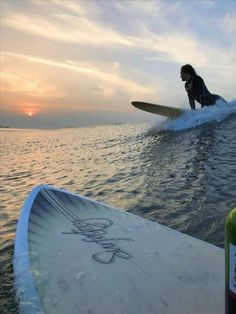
{"x": 185, "y": 180}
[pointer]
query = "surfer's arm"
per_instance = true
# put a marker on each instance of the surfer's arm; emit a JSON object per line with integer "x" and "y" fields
{"x": 199, "y": 88}
{"x": 191, "y": 101}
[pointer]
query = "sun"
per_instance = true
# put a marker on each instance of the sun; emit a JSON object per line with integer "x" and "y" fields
{"x": 29, "y": 109}
{"x": 29, "y": 113}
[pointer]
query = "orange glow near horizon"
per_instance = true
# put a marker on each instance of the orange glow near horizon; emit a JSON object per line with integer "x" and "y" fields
{"x": 30, "y": 109}
{"x": 29, "y": 112}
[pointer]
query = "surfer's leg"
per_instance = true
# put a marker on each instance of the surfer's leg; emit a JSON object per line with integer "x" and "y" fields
{"x": 219, "y": 99}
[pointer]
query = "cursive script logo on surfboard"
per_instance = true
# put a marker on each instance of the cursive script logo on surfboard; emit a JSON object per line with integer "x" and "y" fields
{"x": 94, "y": 230}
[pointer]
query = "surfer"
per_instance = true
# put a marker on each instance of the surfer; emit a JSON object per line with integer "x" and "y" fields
{"x": 196, "y": 88}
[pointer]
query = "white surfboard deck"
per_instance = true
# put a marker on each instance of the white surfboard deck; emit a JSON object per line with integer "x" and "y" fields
{"x": 170, "y": 112}
{"x": 76, "y": 255}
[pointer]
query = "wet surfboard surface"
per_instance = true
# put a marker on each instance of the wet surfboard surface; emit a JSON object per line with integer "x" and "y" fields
{"x": 170, "y": 112}
{"x": 76, "y": 255}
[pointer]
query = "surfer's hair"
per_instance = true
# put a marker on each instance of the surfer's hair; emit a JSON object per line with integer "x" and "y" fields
{"x": 187, "y": 68}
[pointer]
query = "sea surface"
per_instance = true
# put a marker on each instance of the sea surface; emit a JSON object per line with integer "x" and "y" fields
{"x": 181, "y": 174}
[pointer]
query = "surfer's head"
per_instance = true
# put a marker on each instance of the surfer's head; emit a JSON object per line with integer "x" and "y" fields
{"x": 186, "y": 72}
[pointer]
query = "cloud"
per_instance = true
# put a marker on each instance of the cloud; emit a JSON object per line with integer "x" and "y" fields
{"x": 72, "y": 22}
{"x": 78, "y": 8}
{"x": 169, "y": 47}
{"x": 140, "y": 8}
{"x": 96, "y": 66}
{"x": 110, "y": 79}
{"x": 229, "y": 24}
{"x": 108, "y": 91}
{"x": 174, "y": 47}
{"x": 15, "y": 82}
{"x": 67, "y": 28}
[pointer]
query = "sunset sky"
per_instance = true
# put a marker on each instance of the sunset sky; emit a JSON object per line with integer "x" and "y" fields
{"x": 77, "y": 63}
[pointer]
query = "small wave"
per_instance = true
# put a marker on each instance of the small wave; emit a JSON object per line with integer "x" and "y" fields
{"x": 194, "y": 118}
{"x": 16, "y": 176}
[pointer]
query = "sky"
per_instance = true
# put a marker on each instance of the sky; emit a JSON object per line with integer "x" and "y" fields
{"x": 78, "y": 63}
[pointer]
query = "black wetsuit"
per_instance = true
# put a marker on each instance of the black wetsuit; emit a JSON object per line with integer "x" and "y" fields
{"x": 198, "y": 91}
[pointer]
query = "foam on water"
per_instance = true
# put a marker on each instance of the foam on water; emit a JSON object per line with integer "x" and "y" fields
{"x": 194, "y": 118}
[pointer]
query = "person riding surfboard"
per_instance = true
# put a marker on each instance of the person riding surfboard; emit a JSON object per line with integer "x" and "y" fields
{"x": 196, "y": 88}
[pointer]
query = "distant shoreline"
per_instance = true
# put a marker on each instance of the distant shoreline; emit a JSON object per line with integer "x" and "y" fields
{"x": 5, "y": 127}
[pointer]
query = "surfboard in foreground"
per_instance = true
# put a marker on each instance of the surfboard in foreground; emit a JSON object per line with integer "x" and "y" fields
{"x": 169, "y": 112}
{"x": 76, "y": 255}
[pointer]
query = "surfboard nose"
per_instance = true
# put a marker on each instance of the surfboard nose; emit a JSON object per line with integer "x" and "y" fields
{"x": 136, "y": 104}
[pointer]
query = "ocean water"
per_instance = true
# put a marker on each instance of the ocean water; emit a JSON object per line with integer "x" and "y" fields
{"x": 181, "y": 174}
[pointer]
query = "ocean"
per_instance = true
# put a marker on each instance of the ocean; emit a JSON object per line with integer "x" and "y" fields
{"x": 179, "y": 173}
